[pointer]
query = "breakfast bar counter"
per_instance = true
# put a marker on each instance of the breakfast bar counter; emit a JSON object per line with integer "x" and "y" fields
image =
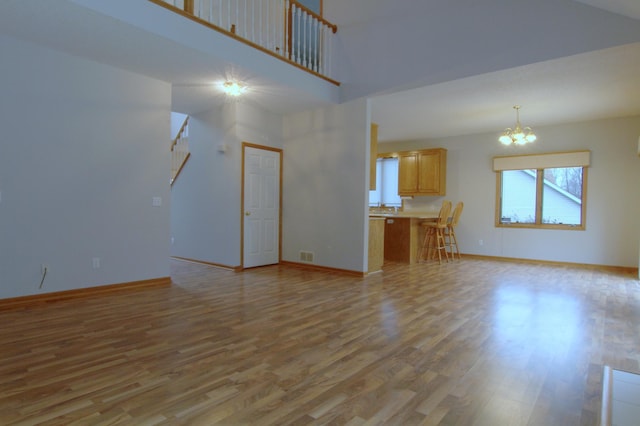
{"x": 403, "y": 234}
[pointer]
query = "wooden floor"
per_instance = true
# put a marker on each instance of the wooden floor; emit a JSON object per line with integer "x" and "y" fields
{"x": 473, "y": 342}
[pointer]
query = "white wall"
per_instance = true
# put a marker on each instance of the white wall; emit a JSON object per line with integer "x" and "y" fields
{"x": 206, "y": 197}
{"x": 408, "y": 43}
{"x": 326, "y": 153}
{"x": 83, "y": 152}
{"x": 613, "y": 200}
{"x": 325, "y": 181}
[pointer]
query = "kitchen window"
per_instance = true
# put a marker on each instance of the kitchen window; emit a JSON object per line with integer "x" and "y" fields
{"x": 386, "y": 192}
{"x": 542, "y": 191}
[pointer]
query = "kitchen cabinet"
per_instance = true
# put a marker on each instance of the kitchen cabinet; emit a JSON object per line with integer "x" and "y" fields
{"x": 422, "y": 172}
{"x": 376, "y": 244}
{"x": 403, "y": 237}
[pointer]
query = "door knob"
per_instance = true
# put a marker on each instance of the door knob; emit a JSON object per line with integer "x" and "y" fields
{"x": 247, "y": 213}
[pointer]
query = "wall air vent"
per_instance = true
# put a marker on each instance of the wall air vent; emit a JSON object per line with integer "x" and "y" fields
{"x": 306, "y": 256}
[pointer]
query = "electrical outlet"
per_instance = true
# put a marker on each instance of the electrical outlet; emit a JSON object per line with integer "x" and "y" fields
{"x": 480, "y": 242}
{"x": 96, "y": 263}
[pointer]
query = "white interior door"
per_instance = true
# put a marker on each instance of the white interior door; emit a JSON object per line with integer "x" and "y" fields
{"x": 261, "y": 244}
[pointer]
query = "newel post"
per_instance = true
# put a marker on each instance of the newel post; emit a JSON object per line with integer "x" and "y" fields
{"x": 188, "y": 6}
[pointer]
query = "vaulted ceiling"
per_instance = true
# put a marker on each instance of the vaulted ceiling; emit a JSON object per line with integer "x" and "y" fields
{"x": 589, "y": 85}
{"x": 592, "y": 85}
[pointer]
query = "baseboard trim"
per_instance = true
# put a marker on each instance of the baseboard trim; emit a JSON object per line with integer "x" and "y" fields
{"x": 322, "y": 268}
{"x": 57, "y": 296}
{"x": 610, "y": 268}
{"x": 202, "y": 262}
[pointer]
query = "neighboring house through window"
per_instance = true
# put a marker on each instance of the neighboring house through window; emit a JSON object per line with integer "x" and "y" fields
{"x": 545, "y": 191}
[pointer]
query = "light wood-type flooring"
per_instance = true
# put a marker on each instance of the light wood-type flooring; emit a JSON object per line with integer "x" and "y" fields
{"x": 473, "y": 342}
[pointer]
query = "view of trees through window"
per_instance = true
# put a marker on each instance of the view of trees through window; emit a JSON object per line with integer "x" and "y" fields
{"x": 557, "y": 200}
{"x": 567, "y": 178}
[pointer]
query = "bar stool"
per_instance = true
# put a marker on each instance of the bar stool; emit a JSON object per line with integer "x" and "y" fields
{"x": 434, "y": 233}
{"x": 450, "y": 231}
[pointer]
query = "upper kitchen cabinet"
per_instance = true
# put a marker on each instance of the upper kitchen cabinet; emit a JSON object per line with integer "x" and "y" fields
{"x": 422, "y": 172}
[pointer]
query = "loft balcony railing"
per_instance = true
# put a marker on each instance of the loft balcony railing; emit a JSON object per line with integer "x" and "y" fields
{"x": 283, "y": 28}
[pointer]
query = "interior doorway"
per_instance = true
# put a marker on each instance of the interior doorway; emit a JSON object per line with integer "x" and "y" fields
{"x": 261, "y": 205}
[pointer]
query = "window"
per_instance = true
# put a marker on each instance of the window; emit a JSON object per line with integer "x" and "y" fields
{"x": 542, "y": 191}
{"x": 386, "y": 192}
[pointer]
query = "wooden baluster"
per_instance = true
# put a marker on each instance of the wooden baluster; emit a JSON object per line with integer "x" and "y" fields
{"x": 287, "y": 29}
{"x": 276, "y": 25}
{"x": 281, "y": 26}
{"x": 310, "y": 20}
{"x": 298, "y": 17}
{"x": 292, "y": 34}
{"x": 305, "y": 39}
{"x": 313, "y": 31}
{"x": 268, "y": 25}
{"x": 325, "y": 58}
{"x": 272, "y": 27}
{"x": 310, "y": 43}
{"x": 320, "y": 48}
{"x": 301, "y": 38}
{"x": 260, "y": 23}
{"x": 253, "y": 21}
{"x": 244, "y": 18}
{"x": 316, "y": 44}
{"x": 188, "y": 6}
{"x": 325, "y": 52}
{"x": 329, "y": 53}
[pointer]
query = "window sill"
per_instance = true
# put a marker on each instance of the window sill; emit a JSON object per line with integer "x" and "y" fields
{"x": 542, "y": 226}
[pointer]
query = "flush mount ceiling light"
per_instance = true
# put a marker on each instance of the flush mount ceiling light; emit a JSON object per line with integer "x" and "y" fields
{"x": 518, "y": 135}
{"x": 233, "y": 88}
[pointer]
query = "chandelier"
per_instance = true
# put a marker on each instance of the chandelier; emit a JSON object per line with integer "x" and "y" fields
{"x": 518, "y": 135}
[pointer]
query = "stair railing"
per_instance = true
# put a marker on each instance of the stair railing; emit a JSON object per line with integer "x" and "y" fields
{"x": 284, "y": 28}
{"x": 180, "y": 151}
